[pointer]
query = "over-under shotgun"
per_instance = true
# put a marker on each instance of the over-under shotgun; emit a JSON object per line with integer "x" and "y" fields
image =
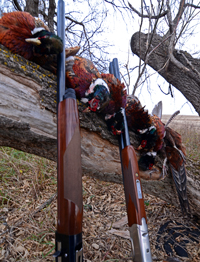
{"x": 137, "y": 220}
{"x": 70, "y": 200}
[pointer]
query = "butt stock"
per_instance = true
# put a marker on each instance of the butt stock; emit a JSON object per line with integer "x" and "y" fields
{"x": 137, "y": 220}
{"x": 70, "y": 201}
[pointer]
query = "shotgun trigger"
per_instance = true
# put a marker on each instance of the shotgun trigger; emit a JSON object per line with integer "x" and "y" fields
{"x": 79, "y": 255}
{"x": 57, "y": 254}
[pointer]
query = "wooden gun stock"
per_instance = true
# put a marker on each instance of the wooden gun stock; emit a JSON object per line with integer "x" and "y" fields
{"x": 137, "y": 220}
{"x": 132, "y": 186}
{"x": 70, "y": 200}
{"x": 135, "y": 206}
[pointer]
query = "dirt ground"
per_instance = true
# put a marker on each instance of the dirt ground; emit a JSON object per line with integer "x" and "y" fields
{"x": 29, "y": 222}
{"x": 28, "y": 214}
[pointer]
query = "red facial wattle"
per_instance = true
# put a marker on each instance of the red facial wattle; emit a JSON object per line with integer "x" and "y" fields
{"x": 143, "y": 143}
{"x": 94, "y": 104}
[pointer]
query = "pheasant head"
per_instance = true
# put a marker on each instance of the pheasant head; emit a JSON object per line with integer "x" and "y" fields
{"x": 45, "y": 42}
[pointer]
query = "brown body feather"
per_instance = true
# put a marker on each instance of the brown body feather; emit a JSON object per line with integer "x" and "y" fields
{"x": 15, "y": 27}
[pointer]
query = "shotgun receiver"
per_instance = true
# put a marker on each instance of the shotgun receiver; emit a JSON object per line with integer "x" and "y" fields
{"x": 70, "y": 200}
{"x": 137, "y": 220}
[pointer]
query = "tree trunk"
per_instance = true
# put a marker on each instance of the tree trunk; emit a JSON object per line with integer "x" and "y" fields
{"x": 32, "y": 7}
{"x": 28, "y": 123}
{"x": 186, "y": 80}
{"x": 51, "y": 13}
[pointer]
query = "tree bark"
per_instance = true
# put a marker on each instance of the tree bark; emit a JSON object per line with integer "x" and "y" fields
{"x": 186, "y": 79}
{"x": 32, "y": 7}
{"x": 51, "y": 13}
{"x": 28, "y": 123}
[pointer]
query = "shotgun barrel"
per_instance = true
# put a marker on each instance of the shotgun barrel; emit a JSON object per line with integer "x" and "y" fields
{"x": 137, "y": 220}
{"x": 70, "y": 200}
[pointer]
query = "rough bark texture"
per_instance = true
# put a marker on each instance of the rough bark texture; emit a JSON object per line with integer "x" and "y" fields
{"x": 32, "y": 7}
{"x": 51, "y": 13}
{"x": 186, "y": 81}
{"x": 28, "y": 123}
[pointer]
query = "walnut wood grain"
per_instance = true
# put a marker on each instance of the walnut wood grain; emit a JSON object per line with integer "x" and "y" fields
{"x": 70, "y": 200}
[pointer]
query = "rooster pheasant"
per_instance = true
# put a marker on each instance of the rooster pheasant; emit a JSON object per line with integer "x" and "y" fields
{"x": 161, "y": 139}
{"x": 84, "y": 77}
{"x": 29, "y": 37}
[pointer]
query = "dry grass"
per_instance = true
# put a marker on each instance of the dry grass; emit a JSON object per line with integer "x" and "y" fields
{"x": 27, "y": 226}
{"x": 191, "y": 140}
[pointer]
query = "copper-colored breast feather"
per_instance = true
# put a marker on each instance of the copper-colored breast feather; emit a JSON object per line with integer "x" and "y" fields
{"x": 177, "y": 139}
{"x": 79, "y": 74}
{"x": 160, "y": 129}
{"x": 137, "y": 116}
{"x": 117, "y": 94}
{"x": 15, "y": 27}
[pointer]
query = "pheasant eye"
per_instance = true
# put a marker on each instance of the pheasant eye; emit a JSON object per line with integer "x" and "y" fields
{"x": 42, "y": 37}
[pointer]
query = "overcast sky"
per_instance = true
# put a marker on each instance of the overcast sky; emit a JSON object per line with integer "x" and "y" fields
{"x": 149, "y": 94}
{"x": 118, "y": 32}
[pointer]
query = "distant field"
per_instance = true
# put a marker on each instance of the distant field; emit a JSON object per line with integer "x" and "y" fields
{"x": 181, "y": 121}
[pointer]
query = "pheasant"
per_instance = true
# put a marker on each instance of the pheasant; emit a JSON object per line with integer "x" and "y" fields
{"x": 161, "y": 139}
{"x": 97, "y": 96}
{"x": 79, "y": 74}
{"x": 137, "y": 117}
{"x": 175, "y": 155}
{"x": 102, "y": 92}
{"x": 105, "y": 94}
{"x": 29, "y": 37}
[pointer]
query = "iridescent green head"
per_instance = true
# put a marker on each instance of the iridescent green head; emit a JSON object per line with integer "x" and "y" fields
{"x": 45, "y": 42}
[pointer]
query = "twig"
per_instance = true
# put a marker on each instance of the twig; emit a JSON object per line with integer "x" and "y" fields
{"x": 190, "y": 64}
{"x": 46, "y": 203}
{"x": 146, "y": 56}
{"x": 147, "y": 16}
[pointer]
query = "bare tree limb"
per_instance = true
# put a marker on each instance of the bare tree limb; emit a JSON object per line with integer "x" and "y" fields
{"x": 32, "y": 7}
{"x": 178, "y": 74}
{"x": 148, "y": 16}
{"x": 16, "y": 5}
{"x": 51, "y": 13}
{"x": 148, "y": 44}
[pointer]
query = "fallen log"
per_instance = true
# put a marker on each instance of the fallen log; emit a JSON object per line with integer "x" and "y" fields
{"x": 28, "y": 123}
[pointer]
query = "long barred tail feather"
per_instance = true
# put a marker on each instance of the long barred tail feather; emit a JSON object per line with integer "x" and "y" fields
{"x": 172, "y": 117}
{"x": 180, "y": 181}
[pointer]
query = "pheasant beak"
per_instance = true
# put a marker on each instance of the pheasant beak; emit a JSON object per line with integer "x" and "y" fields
{"x": 139, "y": 147}
{"x": 34, "y": 41}
{"x": 86, "y": 110}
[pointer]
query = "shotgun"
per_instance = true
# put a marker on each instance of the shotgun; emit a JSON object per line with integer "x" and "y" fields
{"x": 69, "y": 178}
{"x": 137, "y": 220}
